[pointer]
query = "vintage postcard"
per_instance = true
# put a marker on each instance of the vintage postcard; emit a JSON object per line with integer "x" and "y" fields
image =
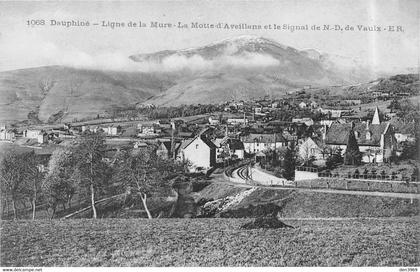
{"x": 209, "y": 134}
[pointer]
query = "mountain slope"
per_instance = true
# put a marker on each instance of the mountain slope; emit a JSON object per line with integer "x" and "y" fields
{"x": 77, "y": 93}
{"x": 246, "y": 65}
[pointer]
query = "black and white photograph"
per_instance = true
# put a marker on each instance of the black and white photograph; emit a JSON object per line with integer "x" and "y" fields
{"x": 210, "y": 134}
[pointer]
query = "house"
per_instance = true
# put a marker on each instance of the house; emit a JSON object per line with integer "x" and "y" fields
{"x": 236, "y": 148}
{"x": 149, "y": 129}
{"x": 113, "y": 130}
{"x": 376, "y": 140}
{"x": 31, "y": 133}
{"x": 200, "y": 152}
{"x": 230, "y": 146}
{"x": 302, "y": 105}
{"x": 314, "y": 105}
{"x": 404, "y": 131}
{"x": 213, "y": 121}
{"x": 310, "y": 148}
{"x": 307, "y": 121}
{"x": 221, "y": 147}
{"x": 237, "y": 121}
{"x": 42, "y": 137}
{"x": 404, "y": 137}
{"x": 353, "y": 101}
{"x": 289, "y": 137}
{"x": 336, "y": 113}
{"x": 165, "y": 151}
{"x": 139, "y": 144}
{"x": 256, "y": 142}
{"x": 332, "y": 112}
{"x": 94, "y": 129}
{"x": 7, "y": 135}
{"x": 258, "y": 110}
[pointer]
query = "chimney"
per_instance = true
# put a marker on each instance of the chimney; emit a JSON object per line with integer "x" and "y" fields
{"x": 367, "y": 124}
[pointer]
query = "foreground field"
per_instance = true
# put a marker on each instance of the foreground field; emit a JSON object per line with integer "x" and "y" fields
{"x": 209, "y": 242}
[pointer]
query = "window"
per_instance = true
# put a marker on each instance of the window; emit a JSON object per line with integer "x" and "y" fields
{"x": 368, "y": 135}
{"x": 196, "y": 146}
{"x": 357, "y": 134}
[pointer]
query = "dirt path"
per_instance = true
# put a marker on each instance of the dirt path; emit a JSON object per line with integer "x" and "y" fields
{"x": 89, "y": 207}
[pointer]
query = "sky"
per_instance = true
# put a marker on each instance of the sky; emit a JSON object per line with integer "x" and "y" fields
{"x": 23, "y": 46}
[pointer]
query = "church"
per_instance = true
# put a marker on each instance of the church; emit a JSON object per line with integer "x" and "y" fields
{"x": 375, "y": 138}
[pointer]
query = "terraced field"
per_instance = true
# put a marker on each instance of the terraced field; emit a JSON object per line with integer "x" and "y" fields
{"x": 210, "y": 242}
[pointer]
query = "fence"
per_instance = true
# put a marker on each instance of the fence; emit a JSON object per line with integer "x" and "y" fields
{"x": 353, "y": 175}
{"x": 360, "y": 185}
{"x": 369, "y": 177}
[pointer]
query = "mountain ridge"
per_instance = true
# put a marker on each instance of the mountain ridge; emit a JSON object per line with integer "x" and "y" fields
{"x": 242, "y": 67}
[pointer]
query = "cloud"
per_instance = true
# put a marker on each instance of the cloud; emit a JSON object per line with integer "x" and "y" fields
{"x": 177, "y": 62}
{"x": 196, "y": 62}
{"x": 30, "y": 50}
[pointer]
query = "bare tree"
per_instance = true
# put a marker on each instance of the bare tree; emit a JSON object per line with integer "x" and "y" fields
{"x": 89, "y": 153}
{"x": 146, "y": 174}
{"x": 19, "y": 177}
{"x": 33, "y": 181}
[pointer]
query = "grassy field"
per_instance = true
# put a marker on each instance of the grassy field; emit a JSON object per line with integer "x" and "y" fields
{"x": 295, "y": 204}
{"x": 209, "y": 242}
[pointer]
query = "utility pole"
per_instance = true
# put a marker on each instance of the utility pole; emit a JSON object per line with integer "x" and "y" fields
{"x": 173, "y": 140}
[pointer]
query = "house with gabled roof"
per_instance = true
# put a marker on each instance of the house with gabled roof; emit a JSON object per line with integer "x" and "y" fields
{"x": 233, "y": 147}
{"x": 376, "y": 139}
{"x": 306, "y": 120}
{"x": 310, "y": 147}
{"x": 165, "y": 149}
{"x": 256, "y": 142}
{"x": 303, "y": 105}
{"x": 199, "y": 151}
{"x": 7, "y": 134}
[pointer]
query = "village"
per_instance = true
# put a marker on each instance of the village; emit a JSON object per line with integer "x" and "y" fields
{"x": 260, "y": 130}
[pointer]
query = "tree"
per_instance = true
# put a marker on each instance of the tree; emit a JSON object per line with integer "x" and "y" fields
{"x": 146, "y": 174}
{"x": 89, "y": 153}
{"x": 18, "y": 173}
{"x": 289, "y": 163}
{"x": 225, "y": 155}
{"x": 60, "y": 183}
{"x": 33, "y": 181}
{"x": 334, "y": 159}
{"x": 306, "y": 154}
{"x": 352, "y": 156}
{"x": 325, "y": 150}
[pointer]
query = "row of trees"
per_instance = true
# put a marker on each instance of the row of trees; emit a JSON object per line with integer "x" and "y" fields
{"x": 20, "y": 179}
{"x": 83, "y": 169}
{"x": 165, "y": 112}
{"x": 281, "y": 161}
